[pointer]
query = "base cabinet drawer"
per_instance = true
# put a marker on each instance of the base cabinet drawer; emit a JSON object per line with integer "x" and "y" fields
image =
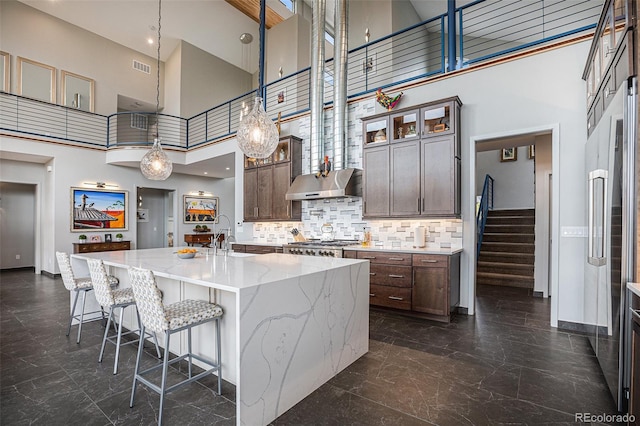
{"x": 260, "y": 249}
{"x": 391, "y": 275}
{"x": 391, "y": 297}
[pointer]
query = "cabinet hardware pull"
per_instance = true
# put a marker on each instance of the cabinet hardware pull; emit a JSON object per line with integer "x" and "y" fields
{"x": 372, "y": 273}
{"x": 395, "y": 276}
{"x": 372, "y": 295}
{"x": 368, "y": 257}
{"x": 287, "y": 209}
{"x": 396, "y": 298}
{"x": 429, "y": 261}
{"x": 423, "y": 204}
{"x": 396, "y": 258}
{"x": 418, "y": 204}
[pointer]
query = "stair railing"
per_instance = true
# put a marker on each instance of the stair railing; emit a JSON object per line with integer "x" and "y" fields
{"x": 486, "y": 204}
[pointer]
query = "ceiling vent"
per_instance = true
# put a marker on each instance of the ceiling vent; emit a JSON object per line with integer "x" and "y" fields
{"x": 137, "y": 65}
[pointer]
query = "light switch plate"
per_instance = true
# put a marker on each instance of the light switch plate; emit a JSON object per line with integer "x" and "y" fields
{"x": 573, "y": 231}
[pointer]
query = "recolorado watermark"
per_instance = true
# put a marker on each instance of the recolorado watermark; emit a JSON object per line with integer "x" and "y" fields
{"x": 604, "y": 418}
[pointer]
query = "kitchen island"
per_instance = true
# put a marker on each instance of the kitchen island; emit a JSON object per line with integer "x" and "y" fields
{"x": 290, "y": 322}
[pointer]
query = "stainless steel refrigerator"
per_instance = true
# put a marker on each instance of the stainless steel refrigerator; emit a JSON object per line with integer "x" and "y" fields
{"x": 610, "y": 154}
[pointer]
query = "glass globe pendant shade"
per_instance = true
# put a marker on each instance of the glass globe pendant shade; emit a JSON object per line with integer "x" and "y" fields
{"x": 155, "y": 164}
{"x": 257, "y": 134}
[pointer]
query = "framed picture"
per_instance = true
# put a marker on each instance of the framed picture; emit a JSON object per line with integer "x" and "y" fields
{"x": 142, "y": 215}
{"x": 531, "y": 152}
{"x": 369, "y": 65}
{"x": 281, "y": 95}
{"x": 107, "y": 238}
{"x": 509, "y": 154}
{"x": 200, "y": 208}
{"x": 98, "y": 209}
{"x": 95, "y": 239}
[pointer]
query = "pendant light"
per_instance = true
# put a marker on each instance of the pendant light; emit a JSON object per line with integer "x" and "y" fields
{"x": 155, "y": 164}
{"x": 257, "y": 135}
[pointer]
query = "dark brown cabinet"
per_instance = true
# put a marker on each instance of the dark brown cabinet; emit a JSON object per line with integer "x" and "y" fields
{"x": 415, "y": 170}
{"x": 423, "y": 285}
{"x": 436, "y": 284}
{"x": 266, "y": 182}
{"x": 405, "y": 179}
{"x": 376, "y": 185}
{"x": 256, "y": 249}
{"x": 634, "y": 392}
{"x": 96, "y": 247}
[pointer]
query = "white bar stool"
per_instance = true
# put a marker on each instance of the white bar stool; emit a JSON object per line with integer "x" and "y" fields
{"x": 111, "y": 299}
{"x": 183, "y": 315}
{"x": 77, "y": 285}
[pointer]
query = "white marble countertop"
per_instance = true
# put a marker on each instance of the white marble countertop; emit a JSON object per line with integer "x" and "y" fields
{"x": 229, "y": 272}
{"x": 406, "y": 249}
{"x": 635, "y": 288}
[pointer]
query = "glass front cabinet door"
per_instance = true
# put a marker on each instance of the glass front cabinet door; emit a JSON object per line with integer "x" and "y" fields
{"x": 405, "y": 126}
{"x": 437, "y": 120}
{"x": 376, "y": 131}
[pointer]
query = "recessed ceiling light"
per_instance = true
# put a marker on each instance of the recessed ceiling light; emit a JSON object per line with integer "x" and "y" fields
{"x": 206, "y": 173}
{"x": 150, "y": 40}
{"x": 227, "y": 168}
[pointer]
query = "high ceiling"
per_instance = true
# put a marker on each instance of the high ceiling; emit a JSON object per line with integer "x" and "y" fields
{"x": 214, "y": 26}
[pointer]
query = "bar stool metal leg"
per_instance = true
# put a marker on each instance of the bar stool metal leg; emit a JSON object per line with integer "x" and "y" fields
{"x": 189, "y": 348}
{"x": 165, "y": 367}
{"x": 219, "y": 355}
{"x": 106, "y": 334}
{"x": 84, "y": 299}
{"x": 73, "y": 312}
{"x": 119, "y": 339}
{"x": 135, "y": 372}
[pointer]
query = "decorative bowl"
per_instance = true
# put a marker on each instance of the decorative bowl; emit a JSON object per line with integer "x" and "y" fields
{"x": 188, "y": 255}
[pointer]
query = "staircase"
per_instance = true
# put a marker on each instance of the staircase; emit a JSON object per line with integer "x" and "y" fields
{"x": 507, "y": 251}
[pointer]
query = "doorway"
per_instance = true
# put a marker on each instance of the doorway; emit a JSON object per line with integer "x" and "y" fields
{"x": 154, "y": 217}
{"x": 18, "y": 225}
{"x": 545, "y": 154}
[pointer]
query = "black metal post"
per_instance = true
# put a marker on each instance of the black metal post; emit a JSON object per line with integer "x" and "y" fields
{"x": 263, "y": 15}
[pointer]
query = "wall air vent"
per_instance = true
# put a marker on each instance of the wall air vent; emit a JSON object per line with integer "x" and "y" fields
{"x": 137, "y": 65}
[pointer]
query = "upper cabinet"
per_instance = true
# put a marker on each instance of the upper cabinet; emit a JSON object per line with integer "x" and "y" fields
{"x": 610, "y": 62}
{"x": 267, "y": 180}
{"x": 415, "y": 170}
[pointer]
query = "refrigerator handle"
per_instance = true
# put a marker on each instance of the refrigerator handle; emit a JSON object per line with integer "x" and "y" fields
{"x": 592, "y": 257}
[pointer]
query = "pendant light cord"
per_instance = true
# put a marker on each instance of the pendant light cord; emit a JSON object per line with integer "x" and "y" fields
{"x": 158, "y": 72}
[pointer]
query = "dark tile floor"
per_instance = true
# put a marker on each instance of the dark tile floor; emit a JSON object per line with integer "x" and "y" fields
{"x": 503, "y": 366}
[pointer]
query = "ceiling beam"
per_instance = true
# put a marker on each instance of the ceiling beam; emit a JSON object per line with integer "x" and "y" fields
{"x": 251, "y": 8}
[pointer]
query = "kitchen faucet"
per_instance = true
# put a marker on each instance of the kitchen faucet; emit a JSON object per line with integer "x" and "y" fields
{"x": 214, "y": 238}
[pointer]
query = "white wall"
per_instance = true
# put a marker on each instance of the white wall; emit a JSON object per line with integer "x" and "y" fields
{"x": 71, "y": 167}
{"x": 17, "y": 225}
{"x": 513, "y": 180}
{"x": 67, "y": 47}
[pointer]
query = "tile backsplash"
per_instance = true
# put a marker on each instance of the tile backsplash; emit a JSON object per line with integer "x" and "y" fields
{"x": 345, "y": 214}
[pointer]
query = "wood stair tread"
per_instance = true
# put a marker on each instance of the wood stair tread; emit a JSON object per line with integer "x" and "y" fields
{"x": 504, "y": 276}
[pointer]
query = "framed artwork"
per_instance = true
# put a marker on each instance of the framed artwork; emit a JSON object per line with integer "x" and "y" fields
{"x": 509, "y": 154}
{"x": 369, "y": 65}
{"x": 142, "y": 215}
{"x": 95, "y": 239}
{"x": 531, "y": 152}
{"x": 281, "y": 95}
{"x": 98, "y": 209}
{"x": 107, "y": 238}
{"x": 200, "y": 208}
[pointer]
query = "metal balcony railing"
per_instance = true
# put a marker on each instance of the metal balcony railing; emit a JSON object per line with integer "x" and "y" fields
{"x": 486, "y": 29}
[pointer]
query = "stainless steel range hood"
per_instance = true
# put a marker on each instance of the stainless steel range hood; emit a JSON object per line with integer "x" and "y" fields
{"x": 337, "y": 184}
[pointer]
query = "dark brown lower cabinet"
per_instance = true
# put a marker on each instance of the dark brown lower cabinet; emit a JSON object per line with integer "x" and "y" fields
{"x": 256, "y": 249}
{"x": 426, "y": 286}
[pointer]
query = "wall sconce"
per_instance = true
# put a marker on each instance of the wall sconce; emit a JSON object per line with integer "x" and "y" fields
{"x": 366, "y": 35}
{"x": 101, "y": 185}
{"x": 280, "y": 72}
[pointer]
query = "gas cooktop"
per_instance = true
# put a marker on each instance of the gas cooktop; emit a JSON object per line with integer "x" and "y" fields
{"x": 332, "y": 243}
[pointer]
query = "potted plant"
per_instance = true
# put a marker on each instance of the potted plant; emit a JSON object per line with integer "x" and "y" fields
{"x": 118, "y": 237}
{"x": 198, "y": 228}
{"x": 82, "y": 238}
{"x": 204, "y": 228}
